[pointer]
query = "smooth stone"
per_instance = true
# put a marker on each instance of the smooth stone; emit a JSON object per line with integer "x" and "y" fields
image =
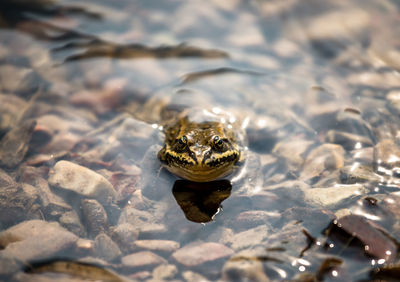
{"x": 333, "y": 195}
{"x": 94, "y": 217}
{"x": 106, "y": 248}
{"x": 157, "y": 245}
{"x": 199, "y": 253}
{"x": 165, "y": 272}
{"x": 70, "y": 176}
{"x": 142, "y": 259}
{"x": 253, "y": 218}
{"x": 323, "y": 159}
{"x": 36, "y": 240}
{"x": 250, "y": 238}
{"x": 15, "y": 144}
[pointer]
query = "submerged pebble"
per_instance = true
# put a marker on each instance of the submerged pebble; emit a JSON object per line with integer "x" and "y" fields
{"x": 70, "y": 176}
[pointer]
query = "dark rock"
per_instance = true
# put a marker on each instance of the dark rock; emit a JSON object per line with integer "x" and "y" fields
{"x": 15, "y": 144}
{"x": 94, "y": 217}
{"x": 375, "y": 243}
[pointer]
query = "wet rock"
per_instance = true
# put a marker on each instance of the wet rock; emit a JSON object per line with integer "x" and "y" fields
{"x": 165, "y": 272}
{"x": 250, "y": 238}
{"x": 15, "y": 203}
{"x": 124, "y": 235}
{"x": 333, "y": 195}
{"x": 322, "y": 160}
{"x": 364, "y": 156}
{"x": 358, "y": 173}
{"x": 70, "y": 221}
{"x": 85, "y": 247}
{"x": 165, "y": 246}
{"x": 69, "y": 176}
{"x": 199, "y": 253}
{"x": 244, "y": 269}
{"x": 393, "y": 99}
{"x": 15, "y": 144}
{"x": 250, "y": 219}
{"x": 8, "y": 265}
{"x": 94, "y": 217}
{"x": 349, "y": 141}
{"x": 143, "y": 221}
{"x": 35, "y": 240}
{"x": 375, "y": 242}
{"x": 106, "y": 248}
{"x": 23, "y": 81}
{"x": 53, "y": 205}
{"x": 191, "y": 276}
{"x": 292, "y": 152}
{"x": 387, "y": 157}
{"x": 126, "y": 183}
{"x": 142, "y": 259}
{"x": 10, "y": 111}
{"x": 351, "y": 121}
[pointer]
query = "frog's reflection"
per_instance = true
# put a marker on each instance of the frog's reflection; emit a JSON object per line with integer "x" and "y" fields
{"x": 201, "y": 201}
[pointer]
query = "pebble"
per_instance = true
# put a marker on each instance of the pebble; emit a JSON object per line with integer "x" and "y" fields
{"x": 142, "y": 259}
{"x": 18, "y": 80}
{"x": 35, "y": 240}
{"x": 322, "y": 160}
{"x": 291, "y": 152}
{"x": 71, "y": 221}
{"x": 15, "y": 203}
{"x": 124, "y": 235}
{"x": 253, "y": 218}
{"x": 70, "y": 176}
{"x": 358, "y": 173}
{"x": 244, "y": 269}
{"x": 349, "y": 141}
{"x": 166, "y": 246}
{"x": 250, "y": 238}
{"x": 15, "y": 144}
{"x": 10, "y": 110}
{"x": 387, "y": 156}
{"x": 198, "y": 253}
{"x": 106, "y": 248}
{"x": 94, "y": 217}
{"x": 331, "y": 196}
{"x": 191, "y": 276}
{"x": 165, "y": 272}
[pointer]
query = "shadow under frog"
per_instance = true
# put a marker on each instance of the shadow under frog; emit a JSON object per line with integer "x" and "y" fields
{"x": 201, "y": 201}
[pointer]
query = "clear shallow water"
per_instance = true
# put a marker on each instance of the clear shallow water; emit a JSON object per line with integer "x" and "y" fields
{"x": 317, "y": 83}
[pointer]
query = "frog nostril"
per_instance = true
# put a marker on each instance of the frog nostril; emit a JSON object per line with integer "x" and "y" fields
{"x": 206, "y": 156}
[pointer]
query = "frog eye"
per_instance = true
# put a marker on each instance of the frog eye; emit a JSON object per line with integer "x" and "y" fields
{"x": 183, "y": 140}
{"x": 217, "y": 140}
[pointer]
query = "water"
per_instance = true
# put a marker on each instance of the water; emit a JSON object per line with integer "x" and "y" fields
{"x": 315, "y": 85}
